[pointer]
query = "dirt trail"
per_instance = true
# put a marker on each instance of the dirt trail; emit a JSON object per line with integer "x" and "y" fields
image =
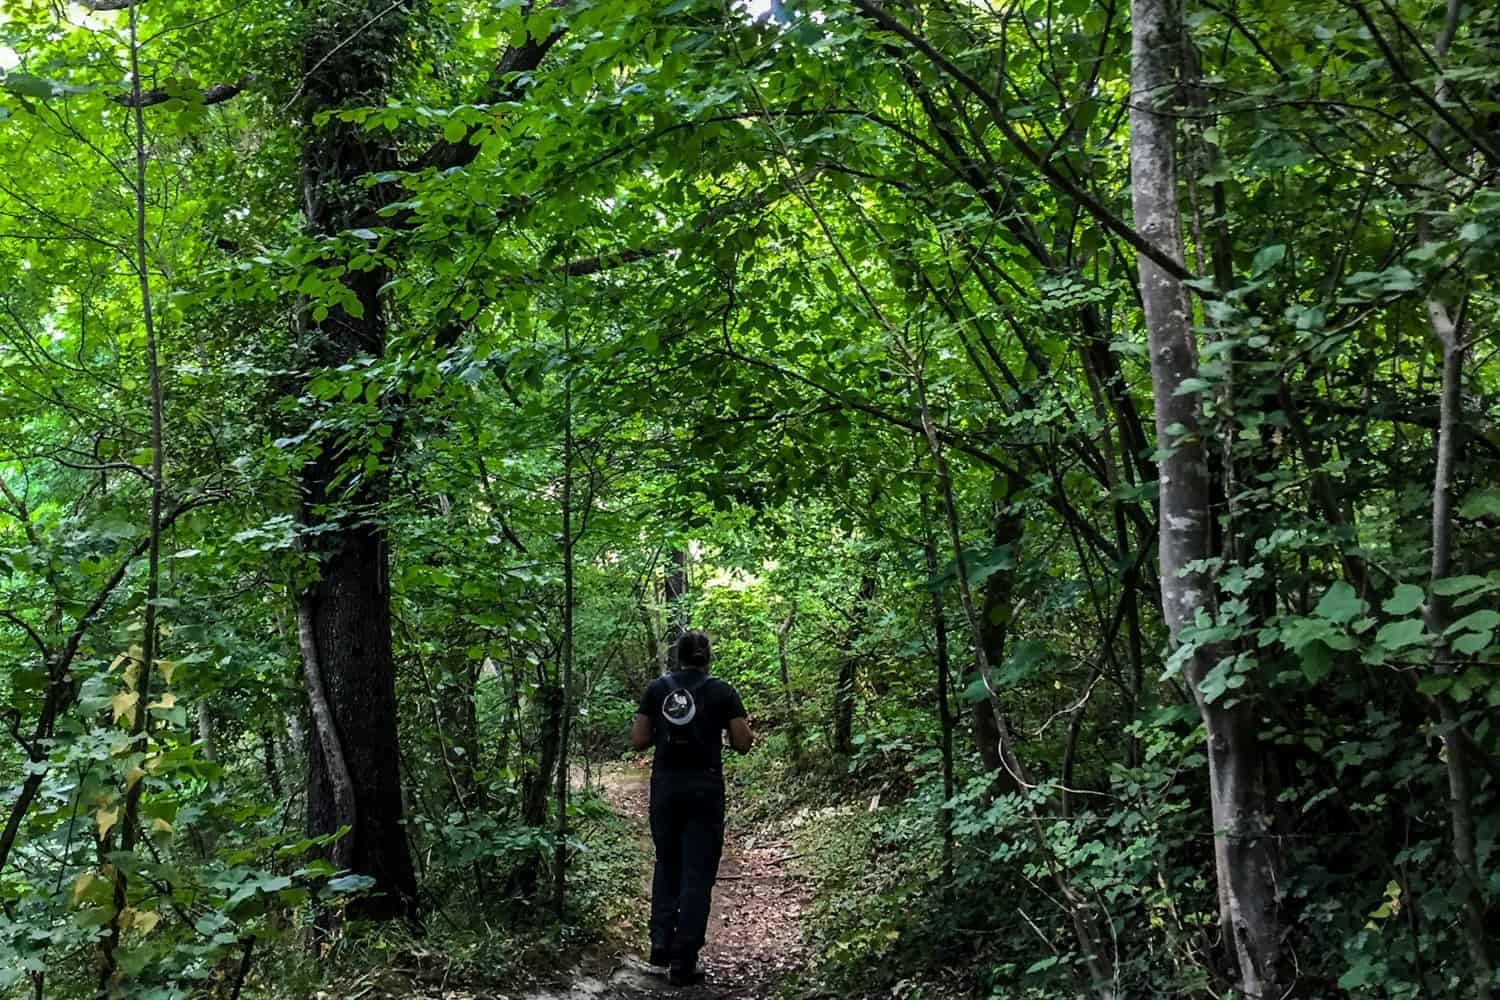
{"x": 754, "y": 941}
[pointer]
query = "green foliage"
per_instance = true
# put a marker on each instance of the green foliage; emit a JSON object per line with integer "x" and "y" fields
{"x": 730, "y": 253}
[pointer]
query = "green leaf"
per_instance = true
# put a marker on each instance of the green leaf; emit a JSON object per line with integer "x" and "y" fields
{"x": 996, "y": 560}
{"x": 1267, "y": 258}
{"x": 1042, "y": 964}
{"x": 1317, "y": 661}
{"x": 455, "y": 131}
{"x": 1399, "y": 635}
{"x": 1479, "y": 621}
{"x": 1435, "y": 684}
{"x": 1340, "y": 603}
{"x": 1481, "y": 503}
{"x": 350, "y": 883}
{"x": 26, "y": 85}
{"x": 1454, "y": 585}
{"x": 1473, "y": 643}
{"x": 976, "y": 691}
{"x": 1405, "y": 600}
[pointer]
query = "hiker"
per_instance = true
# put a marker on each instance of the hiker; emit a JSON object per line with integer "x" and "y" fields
{"x": 683, "y": 714}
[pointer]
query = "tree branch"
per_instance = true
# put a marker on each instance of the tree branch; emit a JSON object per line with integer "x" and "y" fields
{"x": 1095, "y": 208}
{"x": 217, "y": 93}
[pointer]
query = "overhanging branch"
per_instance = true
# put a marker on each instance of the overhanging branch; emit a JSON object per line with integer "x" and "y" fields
{"x": 874, "y": 12}
{"x": 217, "y": 93}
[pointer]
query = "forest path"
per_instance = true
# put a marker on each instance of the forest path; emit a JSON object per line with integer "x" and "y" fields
{"x": 754, "y": 938}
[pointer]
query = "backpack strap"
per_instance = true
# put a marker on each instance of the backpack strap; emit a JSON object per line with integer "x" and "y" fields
{"x": 673, "y": 684}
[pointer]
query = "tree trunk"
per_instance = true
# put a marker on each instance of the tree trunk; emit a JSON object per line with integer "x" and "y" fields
{"x": 569, "y": 540}
{"x": 269, "y": 761}
{"x": 844, "y": 692}
{"x": 1437, "y": 613}
{"x": 994, "y": 627}
{"x": 536, "y": 789}
{"x": 1449, "y": 325}
{"x": 1080, "y": 910}
{"x": 674, "y": 593}
{"x": 349, "y": 604}
{"x": 793, "y": 718}
{"x": 1244, "y": 852}
{"x": 946, "y": 722}
{"x": 654, "y": 656}
{"x": 348, "y": 609}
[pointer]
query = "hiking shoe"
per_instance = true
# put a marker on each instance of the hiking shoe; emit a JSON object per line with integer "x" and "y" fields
{"x": 661, "y": 957}
{"x": 682, "y": 974}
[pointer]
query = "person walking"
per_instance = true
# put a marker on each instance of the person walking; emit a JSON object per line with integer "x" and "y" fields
{"x": 684, "y": 714}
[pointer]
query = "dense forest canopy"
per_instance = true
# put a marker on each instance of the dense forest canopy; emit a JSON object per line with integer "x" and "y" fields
{"x": 1076, "y": 423}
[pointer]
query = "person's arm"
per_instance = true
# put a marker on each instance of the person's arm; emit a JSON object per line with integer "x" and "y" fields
{"x": 641, "y": 731}
{"x": 740, "y": 736}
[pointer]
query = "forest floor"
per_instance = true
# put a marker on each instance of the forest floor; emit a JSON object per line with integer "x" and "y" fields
{"x": 754, "y": 939}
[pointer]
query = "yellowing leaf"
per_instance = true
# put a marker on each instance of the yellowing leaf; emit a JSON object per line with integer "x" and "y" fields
{"x": 144, "y": 921}
{"x": 160, "y": 825}
{"x": 82, "y": 886}
{"x": 124, "y": 704}
{"x": 105, "y": 820}
{"x": 167, "y": 668}
{"x": 167, "y": 700}
{"x": 135, "y": 775}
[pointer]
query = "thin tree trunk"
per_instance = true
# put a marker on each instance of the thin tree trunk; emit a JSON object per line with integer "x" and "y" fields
{"x": 269, "y": 761}
{"x": 1448, "y": 326}
{"x": 1081, "y": 912}
{"x": 793, "y": 717}
{"x": 560, "y": 860}
{"x": 538, "y": 784}
{"x": 845, "y": 690}
{"x": 1244, "y": 852}
{"x": 782, "y": 634}
{"x": 208, "y": 745}
{"x": 653, "y": 642}
{"x": 1457, "y": 759}
{"x": 994, "y": 628}
{"x": 325, "y": 728}
{"x": 674, "y": 597}
{"x": 149, "y": 636}
{"x": 946, "y": 721}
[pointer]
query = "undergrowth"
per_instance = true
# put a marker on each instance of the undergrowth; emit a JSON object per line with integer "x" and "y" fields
{"x": 497, "y": 943}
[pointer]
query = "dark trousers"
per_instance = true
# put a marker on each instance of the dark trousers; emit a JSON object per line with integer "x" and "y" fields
{"x": 687, "y": 826}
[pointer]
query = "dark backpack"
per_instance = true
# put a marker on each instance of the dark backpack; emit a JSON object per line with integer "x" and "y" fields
{"x": 681, "y": 726}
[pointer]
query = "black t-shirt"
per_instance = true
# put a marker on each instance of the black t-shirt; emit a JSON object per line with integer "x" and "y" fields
{"x": 704, "y": 707}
